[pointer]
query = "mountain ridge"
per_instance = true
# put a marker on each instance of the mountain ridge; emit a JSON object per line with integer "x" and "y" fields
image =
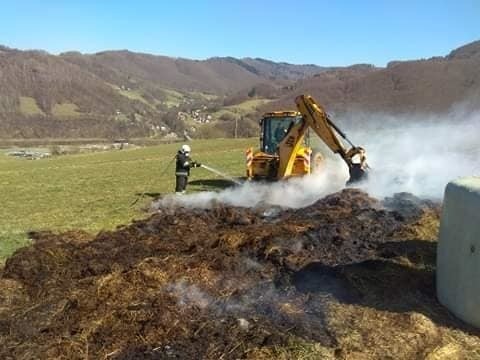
{"x": 124, "y": 93}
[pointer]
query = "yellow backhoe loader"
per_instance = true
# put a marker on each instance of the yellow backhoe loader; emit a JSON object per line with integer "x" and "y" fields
{"x": 284, "y": 149}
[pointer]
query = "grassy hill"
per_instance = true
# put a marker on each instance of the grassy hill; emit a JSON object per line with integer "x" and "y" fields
{"x": 428, "y": 85}
{"x": 115, "y": 94}
{"x": 120, "y": 93}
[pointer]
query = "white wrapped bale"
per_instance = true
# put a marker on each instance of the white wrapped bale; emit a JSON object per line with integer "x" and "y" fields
{"x": 458, "y": 253}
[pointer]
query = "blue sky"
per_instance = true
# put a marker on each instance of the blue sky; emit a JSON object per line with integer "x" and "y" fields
{"x": 298, "y": 31}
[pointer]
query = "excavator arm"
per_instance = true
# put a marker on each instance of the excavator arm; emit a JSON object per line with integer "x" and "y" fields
{"x": 315, "y": 117}
{"x": 289, "y": 146}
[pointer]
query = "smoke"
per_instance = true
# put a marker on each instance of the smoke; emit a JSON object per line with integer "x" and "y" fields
{"x": 294, "y": 193}
{"x": 262, "y": 298}
{"x": 420, "y": 155}
{"x": 416, "y": 154}
{"x": 189, "y": 295}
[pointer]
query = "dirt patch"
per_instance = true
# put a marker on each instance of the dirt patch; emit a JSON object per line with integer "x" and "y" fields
{"x": 347, "y": 277}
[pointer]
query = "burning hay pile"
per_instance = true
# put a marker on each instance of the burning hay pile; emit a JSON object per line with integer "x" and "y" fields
{"x": 347, "y": 277}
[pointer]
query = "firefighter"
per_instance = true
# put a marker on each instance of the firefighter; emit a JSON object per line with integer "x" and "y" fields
{"x": 182, "y": 169}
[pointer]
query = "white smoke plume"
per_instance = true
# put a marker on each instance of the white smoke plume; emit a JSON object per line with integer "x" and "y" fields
{"x": 413, "y": 154}
{"x": 420, "y": 155}
{"x": 189, "y": 295}
{"x": 294, "y": 193}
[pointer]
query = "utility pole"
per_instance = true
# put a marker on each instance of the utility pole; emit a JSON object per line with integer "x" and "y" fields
{"x": 236, "y": 127}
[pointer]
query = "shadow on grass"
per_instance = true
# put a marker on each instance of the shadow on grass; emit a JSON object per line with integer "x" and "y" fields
{"x": 212, "y": 184}
{"x": 153, "y": 195}
{"x": 402, "y": 280}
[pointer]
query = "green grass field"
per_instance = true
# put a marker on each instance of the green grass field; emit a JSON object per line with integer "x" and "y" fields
{"x": 65, "y": 110}
{"x": 28, "y": 106}
{"x": 241, "y": 109}
{"x": 94, "y": 191}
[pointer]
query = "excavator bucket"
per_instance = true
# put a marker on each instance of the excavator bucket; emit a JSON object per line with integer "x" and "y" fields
{"x": 316, "y": 118}
{"x": 357, "y": 164}
{"x": 357, "y": 174}
{"x": 356, "y": 159}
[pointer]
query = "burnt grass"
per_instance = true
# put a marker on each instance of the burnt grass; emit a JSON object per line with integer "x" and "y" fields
{"x": 350, "y": 274}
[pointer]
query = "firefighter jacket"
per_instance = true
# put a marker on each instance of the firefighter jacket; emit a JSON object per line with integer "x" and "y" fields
{"x": 184, "y": 163}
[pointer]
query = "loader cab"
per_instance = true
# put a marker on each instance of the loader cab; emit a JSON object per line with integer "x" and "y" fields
{"x": 274, "y": 127}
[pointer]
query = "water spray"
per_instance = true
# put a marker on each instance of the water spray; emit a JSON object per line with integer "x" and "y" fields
{"x": 223, "y": 175}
